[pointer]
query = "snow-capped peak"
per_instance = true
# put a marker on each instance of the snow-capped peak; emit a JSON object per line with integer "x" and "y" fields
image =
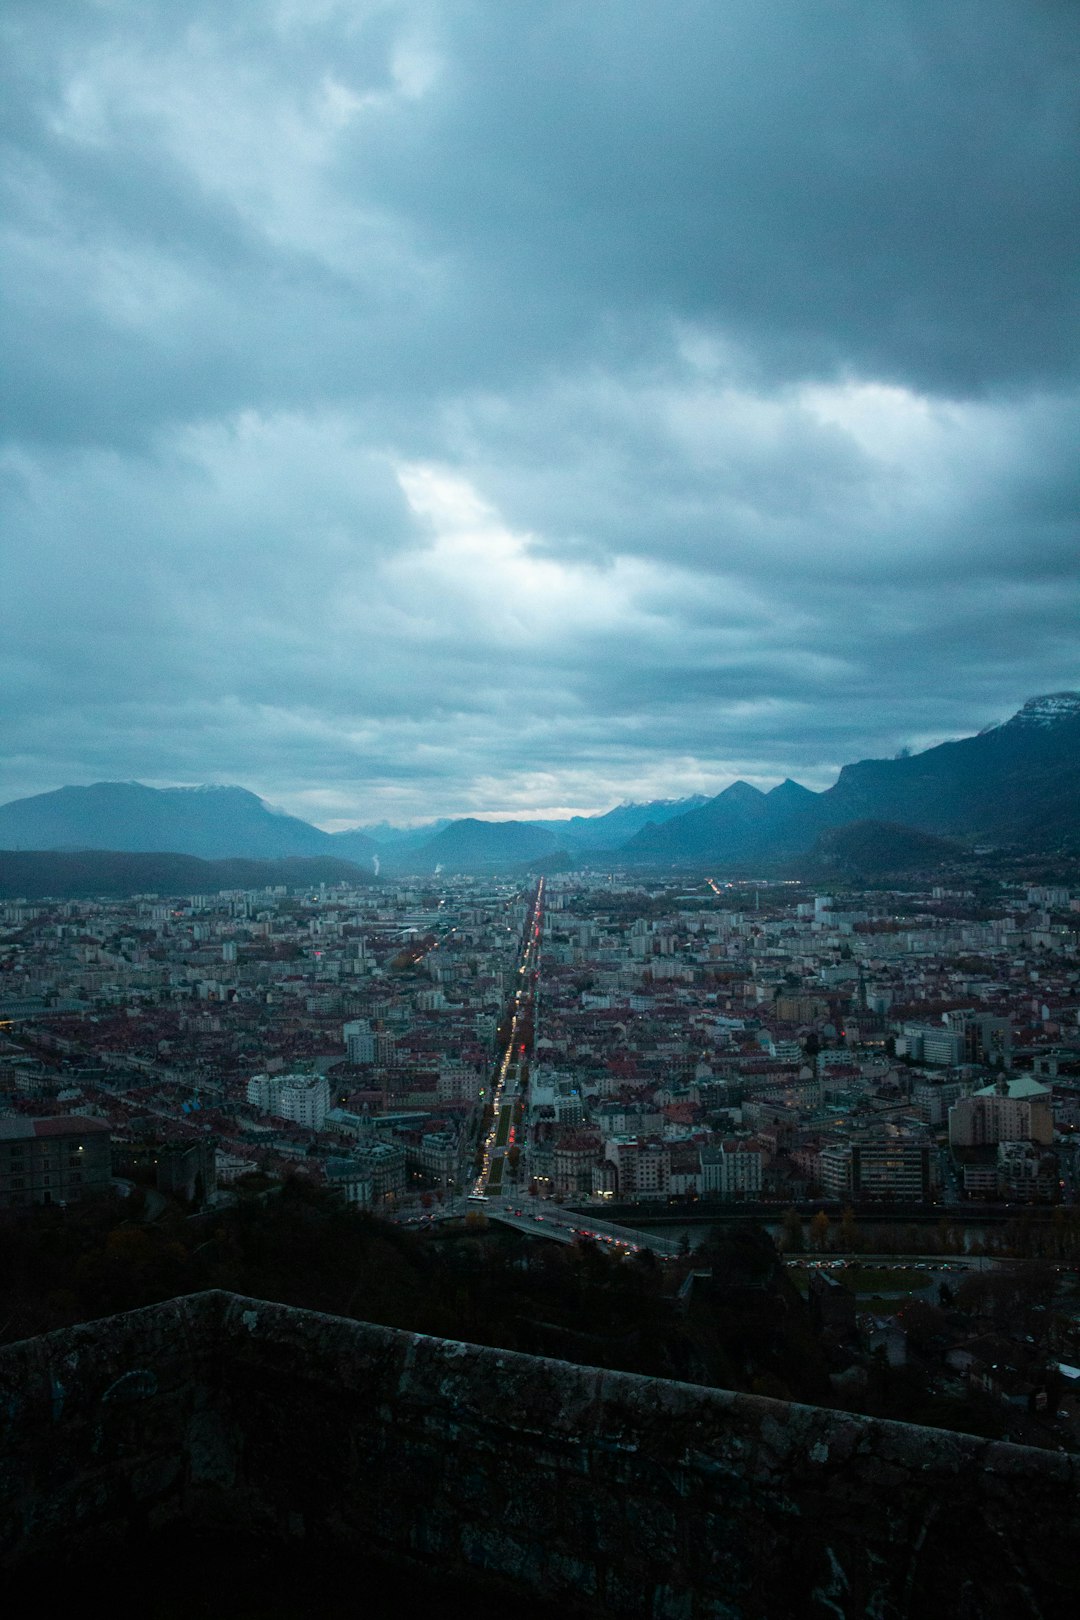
{"x": 1048, "y": 710}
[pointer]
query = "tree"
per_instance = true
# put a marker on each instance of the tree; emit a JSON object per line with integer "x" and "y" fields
{"x": 850, "y": 1236}
{"x": 819, "y": 1231}
{"x": 793, "y": 1241}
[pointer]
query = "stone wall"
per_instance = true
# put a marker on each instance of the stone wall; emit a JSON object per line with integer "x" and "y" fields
{"x": 602, "y": 1492}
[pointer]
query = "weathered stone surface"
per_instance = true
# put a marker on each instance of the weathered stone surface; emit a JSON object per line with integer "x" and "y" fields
{"x": 604, "y": 1491}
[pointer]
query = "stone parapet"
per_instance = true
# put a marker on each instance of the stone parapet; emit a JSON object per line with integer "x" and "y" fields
{"x": 599, "y": 1491}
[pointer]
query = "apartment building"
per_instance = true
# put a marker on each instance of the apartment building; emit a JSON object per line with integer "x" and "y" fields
{"x": 53, "y": 1161}
{"x": 1010, "y": 1110}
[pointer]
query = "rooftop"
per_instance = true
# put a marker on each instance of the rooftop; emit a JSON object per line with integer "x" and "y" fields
{"x": 15, "y": 1127}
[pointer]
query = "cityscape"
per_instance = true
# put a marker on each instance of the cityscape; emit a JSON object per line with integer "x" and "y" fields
{"x": 593, "y": 1058}
{"x": 540, "y": 809}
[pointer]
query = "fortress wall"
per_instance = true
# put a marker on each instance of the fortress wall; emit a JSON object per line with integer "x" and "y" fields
{"x": 603, "y": 1492}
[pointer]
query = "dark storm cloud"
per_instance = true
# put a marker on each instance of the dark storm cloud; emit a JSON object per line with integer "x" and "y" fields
{"x": 464, "y": 406}
{"x": 885, "y": 187}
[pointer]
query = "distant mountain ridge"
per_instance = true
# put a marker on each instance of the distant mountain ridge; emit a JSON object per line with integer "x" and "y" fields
{"x": 213, "y": 823}
{"x": 69, "y": 875}
{"x": 471, "y": 843}
{"x": 1016, "y": 783}
{"x": 219, "y": 823}
{"x": 614, "y": 827}
{"x": 741, "y": 822}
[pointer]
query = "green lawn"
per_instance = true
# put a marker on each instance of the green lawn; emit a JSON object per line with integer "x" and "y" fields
{"x": 502, "y": 1135}
{"x": 868, "y": 1280}
{"x": 878, "y": 1280}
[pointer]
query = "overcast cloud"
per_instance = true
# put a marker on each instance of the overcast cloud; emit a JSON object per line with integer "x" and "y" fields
{"x": 425, "y": 408}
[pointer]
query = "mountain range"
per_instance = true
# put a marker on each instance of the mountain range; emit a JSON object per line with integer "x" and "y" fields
{"x": 214, "y": 823}
{"x": 1016, "y": 784}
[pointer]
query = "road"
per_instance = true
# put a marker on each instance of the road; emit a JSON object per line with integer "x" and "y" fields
{"x": 543, "y": 1218}
{"x": 506, "y": 1131}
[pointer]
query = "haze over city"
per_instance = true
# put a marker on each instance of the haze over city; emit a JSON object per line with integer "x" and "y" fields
{"x": 422, "y": 409}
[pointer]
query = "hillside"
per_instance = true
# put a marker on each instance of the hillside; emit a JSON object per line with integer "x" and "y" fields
{"x": 64, "y": 875}
{"x": 872, "y": 848}
{"x": 1017, "y": 783}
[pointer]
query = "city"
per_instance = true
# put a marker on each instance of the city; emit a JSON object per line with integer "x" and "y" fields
{"x": 595, "y": 1058}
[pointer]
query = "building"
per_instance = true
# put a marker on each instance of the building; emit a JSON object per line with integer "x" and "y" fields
{"x": 359, "y": 1041}
{"x": 53, "y": 1161}
{"x": 351, "y": 1180}
{"x": 832, "y": 1058}
{"x": 686, "y": 1177}
{"x": 457, "y": 1084}
{"x": 937, "y": 1045}
{"x": 189, "y": 1170}
{"x": 1010, "y": 1110}
{"x": 384, "y": 1164}
{"x": 640, "y": 1166}
{"x": 436, "y": 1154}
{"x": 932, "y": 1099}
{"x": 263, "y": 1091}
{"x": 892, "y": 1164}
{"x": 832, "y": 1306}
{"x": 835, "y": 1170}
{"x": 980, "y": 1179}
{"x": 963, "y": 1036}
{"x": 558, "y": 1092}
{"x": 733, "y": 1170}
{"x": 888, "y": 1164}
{"x": 1026, "y": 1172}
{"x": 988, "y": 1040}
{"x": 575, "y": 1168}
{"x": 799, "y": 1009}
{"x": 372, "y": 1176}
{"x": 304, "y": 1100}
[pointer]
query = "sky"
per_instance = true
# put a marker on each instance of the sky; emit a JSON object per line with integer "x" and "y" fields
{"x": 442, "y": 407}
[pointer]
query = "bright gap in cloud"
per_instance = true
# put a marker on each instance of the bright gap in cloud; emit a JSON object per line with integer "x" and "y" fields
{"x": 478, "y": 565}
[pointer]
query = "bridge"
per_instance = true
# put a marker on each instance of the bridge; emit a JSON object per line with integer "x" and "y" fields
{"x": 544, "y": 1219}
